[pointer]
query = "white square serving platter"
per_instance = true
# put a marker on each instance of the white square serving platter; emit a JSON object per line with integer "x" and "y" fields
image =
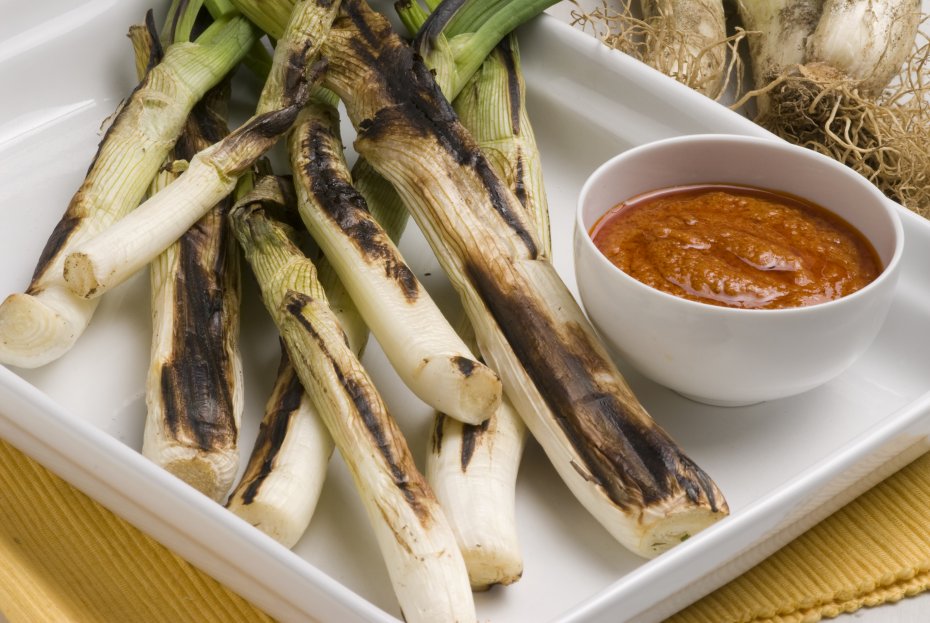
{"x": 783, "y": 465}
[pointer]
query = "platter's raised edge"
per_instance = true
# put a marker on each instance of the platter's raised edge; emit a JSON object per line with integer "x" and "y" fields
{"x": 286, "y": 586}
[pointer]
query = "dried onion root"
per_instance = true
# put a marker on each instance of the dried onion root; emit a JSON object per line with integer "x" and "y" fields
{"x": 828, "y": 91}
{"x": 684, "y": 39}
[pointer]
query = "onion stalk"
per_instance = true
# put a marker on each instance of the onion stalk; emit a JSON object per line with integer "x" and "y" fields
{"x": 281, "y": 485}
{"x": 194, "y": 383}
{"x": 113, "y": 255}
{"x": 625, "y": 469}
{"x": 426, "y": 352}
{"x": 194, "y": 388}
{"x": 283, "y": 479}
{"x": 424, "y": 564}
{"x": 42, "y": 323}
{"x": 474, "y": 468}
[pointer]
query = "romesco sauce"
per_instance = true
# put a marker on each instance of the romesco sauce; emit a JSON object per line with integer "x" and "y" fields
{"x": 736, "y": 246}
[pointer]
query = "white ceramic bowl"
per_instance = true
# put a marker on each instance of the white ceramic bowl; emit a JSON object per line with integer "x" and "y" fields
{"x": 721, "y": 355}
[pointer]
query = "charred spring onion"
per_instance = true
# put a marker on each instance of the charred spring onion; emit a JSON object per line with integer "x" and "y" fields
{"x": 424, "y": 564}
{"x": 281, "y": 485}
{"x": 473, "y": 469}
{"x": 113, "y": 255}
{"x": 425, "y": 351}
{"x": 194, "y": 388}
{"x": 42, "y": 323}
{"x": 627, "y": 471}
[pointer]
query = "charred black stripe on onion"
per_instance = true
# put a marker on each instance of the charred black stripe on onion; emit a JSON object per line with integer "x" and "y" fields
{"x": 272, "y": 432}
{"x": 342, "y": 203}
{"x": 409, "y": 84}
{"x": 634, "y": 460}
{"x": 465, "y": 365}
{"x": 471, "y": 436}
{"x": 436, "y": 23}
{"x": 382, "y": 433}
{"x": 195, "y": 380}
{"x": 436, "y": 437}
{"x": 514, "y": 87}
{"x": 505, "y": 51}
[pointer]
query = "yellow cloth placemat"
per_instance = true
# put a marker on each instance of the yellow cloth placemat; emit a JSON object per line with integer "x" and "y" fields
{"x": 65, "y": 558}
{"x": 874, "y": 550}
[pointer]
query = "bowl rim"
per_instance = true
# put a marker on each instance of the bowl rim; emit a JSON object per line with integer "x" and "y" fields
{"x": 889, "y": 271}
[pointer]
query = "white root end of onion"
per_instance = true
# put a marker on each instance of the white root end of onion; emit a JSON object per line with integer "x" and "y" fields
{"x": 868, "y": 41}
{"x": 281, "y": 523}
{"x": 493, "y": 565}
{"x": 668, "y": 530}
{"x": 204, "y": 474}
{"x": 287, "y": 496}
{"x": 479, "y": 500}
{"x": 37, "y": 329}
{"x": 80, "y": 276}
{"x": 461, "y": 388}
{"x": 426, "y": 569}
{"x": 211, "y": 473}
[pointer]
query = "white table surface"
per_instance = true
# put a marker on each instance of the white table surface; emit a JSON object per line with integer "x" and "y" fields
{"x": 911, "y": 610}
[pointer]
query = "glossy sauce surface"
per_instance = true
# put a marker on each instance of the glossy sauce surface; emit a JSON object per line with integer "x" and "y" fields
{"x": 737, "y": 246}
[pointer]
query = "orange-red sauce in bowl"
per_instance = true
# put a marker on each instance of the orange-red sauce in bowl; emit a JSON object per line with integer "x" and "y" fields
{"x": 736, "y": 246}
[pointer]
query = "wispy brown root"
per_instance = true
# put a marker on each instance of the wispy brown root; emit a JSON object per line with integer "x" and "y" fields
{"x": 884, "y": 138}
{"x": 708, "y": 66}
